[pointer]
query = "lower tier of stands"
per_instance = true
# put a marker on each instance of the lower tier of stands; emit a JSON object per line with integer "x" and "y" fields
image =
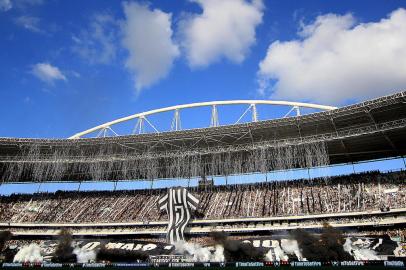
{"x": 233, "y": 226}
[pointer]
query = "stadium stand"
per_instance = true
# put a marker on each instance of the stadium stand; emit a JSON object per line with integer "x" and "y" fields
{"x": 357, "y": 192}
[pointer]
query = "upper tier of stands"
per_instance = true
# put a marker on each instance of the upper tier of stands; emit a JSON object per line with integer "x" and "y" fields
{"x": 351, "y": 193}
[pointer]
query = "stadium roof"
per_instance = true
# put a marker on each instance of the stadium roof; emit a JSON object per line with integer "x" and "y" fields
{"x": 364, "y": 131}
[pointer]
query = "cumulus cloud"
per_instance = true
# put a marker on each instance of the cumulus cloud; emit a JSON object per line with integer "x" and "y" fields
{"x": 148, "y": 39}
{"x": 337, "y": 59}
{"x": 47, "y": 73}
{"x": 5, "y": 5}
{"x": 224, "y": 29}
{"x": 29, "y": 22}
{"x": 97, "y": 44}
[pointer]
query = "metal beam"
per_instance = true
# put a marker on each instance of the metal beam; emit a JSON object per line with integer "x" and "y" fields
{"x": 368, "y": 111}
{"x": 202, "y": 104}
{"x": 214, "y": 122}
{"x": 345, "y": 148}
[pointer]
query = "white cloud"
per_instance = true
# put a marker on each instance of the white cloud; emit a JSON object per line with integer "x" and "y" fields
{"x": 148, "y": 39}
{"x": 47, "y": 73}
{"x": 97, "y": 44}
{"x": 336, "y": 60}
{"x": 224, "y": 29}
{"x": 29, "y": 22}
{"x": 5, "y": 5}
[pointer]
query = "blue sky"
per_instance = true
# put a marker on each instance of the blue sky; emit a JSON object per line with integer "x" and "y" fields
{"x": 66, "y": 66}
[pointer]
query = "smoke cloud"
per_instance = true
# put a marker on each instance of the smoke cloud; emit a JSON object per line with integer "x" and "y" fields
{"x": 4, "y": 237}
{"x": 64, "y": 250}
{"x": 236, "y": 250}
{"x": 83, "y": 255}
{"x": 291, "y": 247}
{"x": 276, "y": 253}
{"x": 199, "y": 253}
{"x": 29, "y": 254}
{"x": 359, "y": 253}
{"x": 324, "y": 247}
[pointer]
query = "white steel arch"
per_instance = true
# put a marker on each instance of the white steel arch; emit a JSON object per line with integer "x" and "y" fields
{"x": 103, "y": 128}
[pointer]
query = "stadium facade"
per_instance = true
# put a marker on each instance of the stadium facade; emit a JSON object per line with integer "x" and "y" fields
{"x": 369, "y": 130}
{"x": 369, "y": 208}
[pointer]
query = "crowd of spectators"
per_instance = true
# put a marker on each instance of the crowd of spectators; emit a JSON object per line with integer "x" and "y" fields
{"x": 279, "y": 225}
{"x": 350, "y": 193}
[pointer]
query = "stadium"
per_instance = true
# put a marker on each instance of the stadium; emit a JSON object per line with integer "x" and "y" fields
{"x": 352, "y": 219}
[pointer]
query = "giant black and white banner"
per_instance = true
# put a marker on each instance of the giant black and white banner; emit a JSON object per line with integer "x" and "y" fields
{"x": 178, "y": 204}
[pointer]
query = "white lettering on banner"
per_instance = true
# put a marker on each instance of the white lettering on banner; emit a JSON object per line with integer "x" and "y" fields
{"x": 275, "y": 243}
{"x": 114, "y": 245}
{"x": 256, "y": 243}
{"x": 266, "y": 243}
{"x": 149, "y": 247}
{"x": 91, "y": 245}
{"x": 129, "y": 246}
{"x": 138, "y": 247}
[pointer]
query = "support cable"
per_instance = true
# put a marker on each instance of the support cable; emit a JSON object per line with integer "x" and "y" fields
{"x": 245, "y": 112}
{"x": 157, "y": 131}
{"x": 286, "y": 115}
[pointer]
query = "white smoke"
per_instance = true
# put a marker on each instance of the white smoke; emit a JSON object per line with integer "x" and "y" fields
{"x": 199, "y": 253}
{"x": 347, "y": 246}
{"x": 280, "y": 255}
{"x": 292, "y": 247}
{"x": 218, "y": 255}
{"x": 269, "y": 256}
{"x": 84, "y": 255}
{"x": 365, "y": 254}
{"x": 359, "y": 253}
{"x": 30, "y": 253}
{"x": 276, "y": 253}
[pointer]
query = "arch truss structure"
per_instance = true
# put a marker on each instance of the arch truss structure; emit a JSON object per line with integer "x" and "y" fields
{"x": 372, "y": 129}
{"x": 140, "y": 120}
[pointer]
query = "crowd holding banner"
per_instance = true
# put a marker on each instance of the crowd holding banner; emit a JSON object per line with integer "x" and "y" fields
{"x": 356, "y": 192}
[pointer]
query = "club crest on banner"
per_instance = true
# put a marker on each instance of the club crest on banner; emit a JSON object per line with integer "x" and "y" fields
{"x": 178, "y": 204}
